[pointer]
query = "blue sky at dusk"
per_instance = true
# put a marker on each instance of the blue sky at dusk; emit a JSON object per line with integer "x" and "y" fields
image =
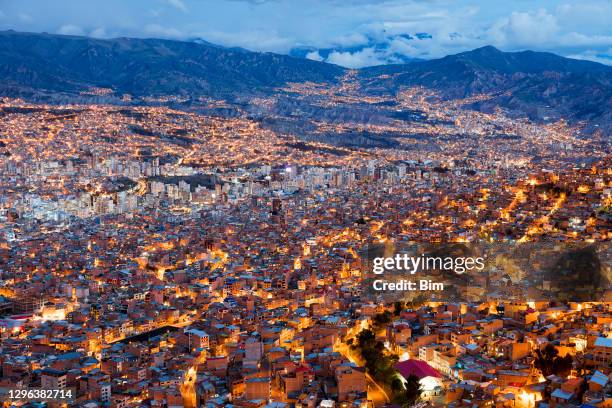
{"x": 354, "y": 33}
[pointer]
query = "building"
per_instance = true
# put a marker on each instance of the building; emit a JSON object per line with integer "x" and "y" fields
{"x": 429, "y": 378}
{"x": 351, "y": 380}
{"x": 28, "y": 304}
{"x": 51, "y": 378}
{"x": 197, "y": 338}
{"x": 257, "y": 388}
{"x": 602, "y": 351}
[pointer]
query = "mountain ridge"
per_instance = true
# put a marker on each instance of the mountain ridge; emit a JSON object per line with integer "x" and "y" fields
{"x": 539, "y": 85}
{"x": 147, "y": 66}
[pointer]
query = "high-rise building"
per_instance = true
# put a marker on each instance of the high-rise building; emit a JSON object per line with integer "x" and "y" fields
{"x": 277, "y": 206}
{"x": 28, "y": 303}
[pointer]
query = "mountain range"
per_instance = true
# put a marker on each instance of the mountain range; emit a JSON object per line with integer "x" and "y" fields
{"x": 145, "y": 66}
{"x": 540, "y": 85}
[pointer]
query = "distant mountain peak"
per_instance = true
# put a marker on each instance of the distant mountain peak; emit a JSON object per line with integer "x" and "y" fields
{"x": 537, "y": 84}
{"x": 487, "y": 49}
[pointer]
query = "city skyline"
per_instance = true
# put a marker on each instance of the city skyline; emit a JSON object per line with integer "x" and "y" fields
{"x": 184, "y": 224}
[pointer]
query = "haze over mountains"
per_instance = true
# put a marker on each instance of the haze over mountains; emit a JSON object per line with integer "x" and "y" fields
{"x": 540, "y": 85}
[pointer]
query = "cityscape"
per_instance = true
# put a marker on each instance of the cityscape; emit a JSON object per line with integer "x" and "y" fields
{"x": 203, "y": 234}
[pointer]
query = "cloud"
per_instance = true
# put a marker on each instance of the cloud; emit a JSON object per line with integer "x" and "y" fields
{"x": 581, "y": 40}
{"x": 99, "y": 32}
{"x": 357, "y": 31}
{"x": 591, "y": 55}
{"x": 402, "y": 46}
{"x": 178, "y": 4}
{"x": 362, "y": 58}
{"x": 525, "y": 28}
{"x": 589, "y": 17}
{"x": 351, "y": 39}
{"x": 314, "y": 55}
{"x": 70, "y": 29}
{"x": 255, "y": 40}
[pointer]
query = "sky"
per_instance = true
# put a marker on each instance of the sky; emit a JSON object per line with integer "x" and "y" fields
{"x": 354, "y": 33}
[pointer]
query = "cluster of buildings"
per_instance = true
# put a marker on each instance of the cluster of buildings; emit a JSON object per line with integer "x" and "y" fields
{"x": 452, "y": 194}
{"x": 484, "y": 354}
{"x": 151, "y": 257}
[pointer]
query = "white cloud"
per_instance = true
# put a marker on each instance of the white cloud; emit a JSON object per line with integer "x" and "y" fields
{"x": 525, "y": 28}
{"x": 591, "y": 55}
{"x": 99, "y": 32}
{"x": 586, "y": 16}
{"x": 70, "y": 29}
{"x": 350, "y": 39}
{"x": 314, "y": 55}
{"x": 365, "y": 57}
{"x": 581, "y": 40}
{"x": 404, "y": 47}
{"x": 255, "y": 40}
{"x": 376, "y": 27}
